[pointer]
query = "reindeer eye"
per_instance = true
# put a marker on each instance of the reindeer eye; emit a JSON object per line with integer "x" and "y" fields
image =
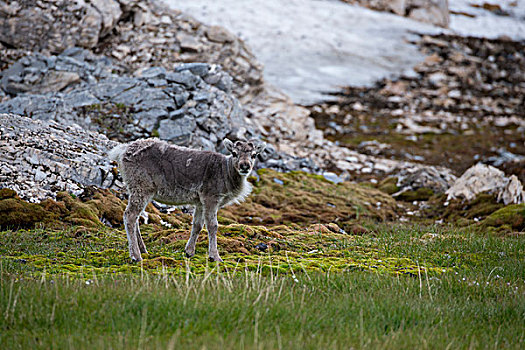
{"x": 254, "y": 155}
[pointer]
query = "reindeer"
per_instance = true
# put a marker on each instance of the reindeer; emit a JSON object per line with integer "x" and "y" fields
{"x": 174, "y": 175}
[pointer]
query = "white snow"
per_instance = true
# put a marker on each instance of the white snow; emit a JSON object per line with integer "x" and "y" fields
{"x": 313, "y": 46}
{"x": 309, "y": 47}
{"x": 485, "y": 23}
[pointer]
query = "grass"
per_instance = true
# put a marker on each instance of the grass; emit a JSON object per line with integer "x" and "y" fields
{"x": 468, "y": 291}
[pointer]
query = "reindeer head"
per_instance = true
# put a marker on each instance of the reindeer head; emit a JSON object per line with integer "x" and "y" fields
{"x": 244, "y": 154}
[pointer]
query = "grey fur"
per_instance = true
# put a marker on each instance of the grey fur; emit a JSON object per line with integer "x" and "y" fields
{"x": 154, "y": 169}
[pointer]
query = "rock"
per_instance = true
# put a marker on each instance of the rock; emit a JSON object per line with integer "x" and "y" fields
{"x": 421, "y": 183}
{"x": 178, "y": 131}
{"x": 189, "y": 43}
{"x": 72, "y": 158}
{"x": 219, "y": 34}
{"x": 483, "y": 178}
{"x": 139, "y": 33}
{"x": 185, "y": 78}
{"x": 125, "y": 107}
{"x": 262, "y": 247}
{"x": 332, "y": 177}
{"x": 110, "y": 12}
{"x": 153, "y": 72}
{"x": 430, "y": 11}
{"x": 197, "y": 68}
{"x": 55, "y": 26}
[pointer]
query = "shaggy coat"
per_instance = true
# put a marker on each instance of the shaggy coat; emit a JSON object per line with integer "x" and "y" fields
{"x": 154, "y": 169}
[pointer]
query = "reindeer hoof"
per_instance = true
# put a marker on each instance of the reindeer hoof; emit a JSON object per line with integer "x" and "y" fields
{"x": 216, "y": 259}
{"x": 136, "y": 260}
{"x": 189, "y": 255}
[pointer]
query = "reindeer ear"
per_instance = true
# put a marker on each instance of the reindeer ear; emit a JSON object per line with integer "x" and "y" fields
{"x": 228, "y": 144}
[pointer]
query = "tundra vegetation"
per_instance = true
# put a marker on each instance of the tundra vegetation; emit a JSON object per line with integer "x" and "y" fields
{"x": 307, "y": 264}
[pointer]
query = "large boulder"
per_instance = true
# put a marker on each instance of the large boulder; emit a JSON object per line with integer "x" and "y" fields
{"x": 483, "y": 178}
{"x": 56, "y": 25}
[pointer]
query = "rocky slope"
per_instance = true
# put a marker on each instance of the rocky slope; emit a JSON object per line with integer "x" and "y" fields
{"x": 39, "y": 159}
{"x": 130, "y": 79}
{"x": 464, "y": 106}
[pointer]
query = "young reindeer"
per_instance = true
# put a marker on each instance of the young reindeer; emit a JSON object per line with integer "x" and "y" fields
{"x": 154, "y": 169}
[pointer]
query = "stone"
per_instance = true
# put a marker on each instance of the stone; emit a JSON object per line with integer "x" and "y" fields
{"x": 436, "y": 179}
{"x": 262, "y": 247}
{"x": 180, "y": 99}
{"x": 197, "y": 68}
{"x": 430, "y": 11}
{"x": 110, "y": 12}
{"x": 332, "y": 177}
{"x": 36, "y": 27}
{"x": 72, "y": 158}
{"x": 185, "y": 78}
{"x": 219, "y": 34}
{"x": 130, "y": 107}
{"x": 189, "y": 43}
{"x": 178, "y": 131}
{"x": 483, "y": 178}
{"x": 153, "y": 72}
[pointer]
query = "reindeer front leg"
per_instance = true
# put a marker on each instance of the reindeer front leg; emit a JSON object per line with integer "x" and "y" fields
{"x": 210, "y": 217}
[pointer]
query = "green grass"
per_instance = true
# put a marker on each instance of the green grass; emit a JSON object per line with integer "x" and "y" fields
{"x": 478, "y": 302}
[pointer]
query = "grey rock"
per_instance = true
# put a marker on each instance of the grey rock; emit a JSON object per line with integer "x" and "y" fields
{"x": 178, "y": 113}
{"x": 482, "y": 178}
{"x": 185, "y": 78}
{"x": 262, "y": 247}
{"x": 157, "y": 82}
{"x": 52, "y": 158}
{"x": 110, "y": 88}
{"x": 203, "y": 96}
{"x": 130, "y": 97}
{"x": 178, "y": 131}
{"x": 332, "y": 177}
{"x": 200, "y": 69}
{"x": 128, "y": 107}
{"x": 180, "y": 99}
{"x": 154, "y": 72}
{"x": 148, "y": 120}
{"x": 81, "y": 99}
{"x": 438, "y": 179}
{"x": 55, "y": 26}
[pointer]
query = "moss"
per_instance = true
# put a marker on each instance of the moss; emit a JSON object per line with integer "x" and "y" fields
{"x": 389, "y": 185}
{"x": 105, "y": 204}
{"x": 93, "y": 208}
{"x": 304, "y": 198}
{"x": 511, "y": 216}
{"x": 6, "y": 193}
{"x": 16, "y": 213}
{"x": 459, "y": 211}
{"x": 421, "y": 194}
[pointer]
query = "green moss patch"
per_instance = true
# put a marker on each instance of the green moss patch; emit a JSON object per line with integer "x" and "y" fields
{"x": 297, "y": 197}
{"x": 459, "y": 211}
{"x": 511, "y": 216}
{"x": 388, "y": 185}
{"x": 288, "y": 250}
